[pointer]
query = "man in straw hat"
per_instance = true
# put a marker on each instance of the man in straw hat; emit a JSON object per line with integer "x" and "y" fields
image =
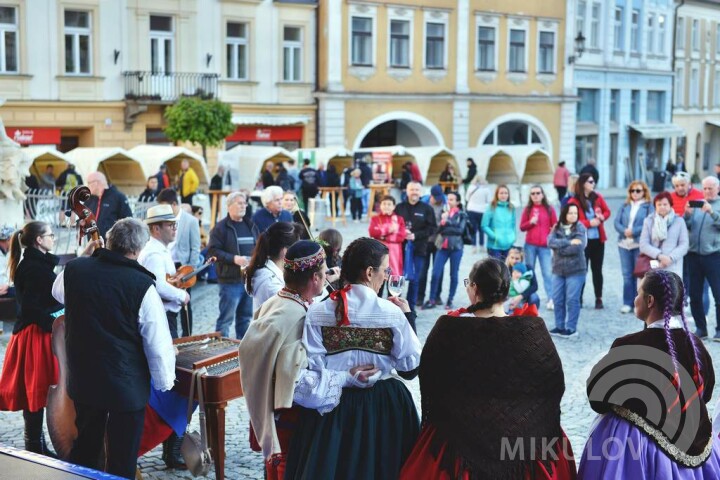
{"x": 273, "y": 360}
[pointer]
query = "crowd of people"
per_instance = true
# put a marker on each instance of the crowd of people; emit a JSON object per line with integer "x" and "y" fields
{"x": 324, "y": 348}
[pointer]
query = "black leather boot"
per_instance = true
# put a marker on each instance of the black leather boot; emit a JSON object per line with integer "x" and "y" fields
{"x": 34, "y": 436}
{"x": 171, "y": 452}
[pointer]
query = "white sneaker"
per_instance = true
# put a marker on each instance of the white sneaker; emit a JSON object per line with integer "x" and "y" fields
{"x": 625, "y": 309}
{"x": 550, "y": 305}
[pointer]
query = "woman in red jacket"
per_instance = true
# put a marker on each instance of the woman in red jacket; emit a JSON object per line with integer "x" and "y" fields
{"x": 536, "y": 221}
{"x": 594, "y": 212}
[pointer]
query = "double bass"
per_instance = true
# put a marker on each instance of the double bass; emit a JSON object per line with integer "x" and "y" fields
{"x": 60, "y": 407}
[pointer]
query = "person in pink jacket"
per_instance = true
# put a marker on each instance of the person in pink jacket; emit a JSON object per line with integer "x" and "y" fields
{"x": 536, "y": 221}
{"x": 389, "y": 228}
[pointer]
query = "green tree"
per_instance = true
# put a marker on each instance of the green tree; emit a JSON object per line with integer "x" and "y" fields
{"x": 201, "y": 122}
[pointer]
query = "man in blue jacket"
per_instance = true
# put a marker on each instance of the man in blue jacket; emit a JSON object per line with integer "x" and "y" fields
{"x": 107, "y": 202}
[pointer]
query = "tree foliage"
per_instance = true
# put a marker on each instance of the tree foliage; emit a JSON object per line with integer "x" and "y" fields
{"x": 201, "y": 122}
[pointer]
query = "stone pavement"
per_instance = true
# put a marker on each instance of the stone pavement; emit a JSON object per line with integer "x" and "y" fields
{"x": 597, "y": 329}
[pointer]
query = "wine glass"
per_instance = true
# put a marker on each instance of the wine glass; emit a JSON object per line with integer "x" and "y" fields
{"x": 396, "y": 283}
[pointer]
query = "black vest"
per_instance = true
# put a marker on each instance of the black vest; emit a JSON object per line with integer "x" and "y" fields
{"x": 108, "y": 368}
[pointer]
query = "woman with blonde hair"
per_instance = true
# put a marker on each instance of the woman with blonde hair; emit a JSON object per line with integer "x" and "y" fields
{"x": 498, "y": 223}
{"x": 629, "y": 225}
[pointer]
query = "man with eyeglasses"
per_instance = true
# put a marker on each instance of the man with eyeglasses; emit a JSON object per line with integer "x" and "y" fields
{"x": 107, "y": 202}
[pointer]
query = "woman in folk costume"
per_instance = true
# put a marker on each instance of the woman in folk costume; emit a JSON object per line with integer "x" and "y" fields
{"x": 491, "y": 387}
{"x": 389, "y": 228}
{"x": 372, "y": 430}
{"x": 651, "y": 390}
{"x": 273, "y": 360}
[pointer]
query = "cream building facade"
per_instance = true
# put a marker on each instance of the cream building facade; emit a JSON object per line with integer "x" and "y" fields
{"x": 464, "y": 74}
{"x": 696, "y": 100}
{"x": 94, "y": 73}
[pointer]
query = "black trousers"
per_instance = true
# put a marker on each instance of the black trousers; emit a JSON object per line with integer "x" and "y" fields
{"x": 187, "y": 198}
{"x": 186, "y": 316}
{"x": 561, "y": 191}
{"x": 172, "y": 323}
{"x": 595, "y": 256}
{"x": 124, "y": 432}
{"x": 422, "y": 282}
{"x": 356, "y": 208}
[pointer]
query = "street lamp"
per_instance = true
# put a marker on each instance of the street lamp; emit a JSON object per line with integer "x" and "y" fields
{"x": 579, "y": 48}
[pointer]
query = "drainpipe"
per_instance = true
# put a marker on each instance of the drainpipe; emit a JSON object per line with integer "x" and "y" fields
{"x": 317, "y": 74}
{"x": 674, "y": 59}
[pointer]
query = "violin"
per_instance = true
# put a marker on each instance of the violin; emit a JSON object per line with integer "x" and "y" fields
{"x": 60, "y": 407}
{"x": 186, "y": 275}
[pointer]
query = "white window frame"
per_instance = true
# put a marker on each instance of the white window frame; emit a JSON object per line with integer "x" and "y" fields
{"x": 76, "y": 33}
{"x": 13, "y": 28}
{"x": 695, "y": 35}
{"x": 365, "y": 11}
{"x": 516, "y": 23}
{"x": 635, "y": 28}
{"x": 661, "y": 33}
{"x": 717, "y": 39}
{"x": 547, "y": 27}
{"x": 679, "y": 100}
{"x": 441, "y": 17}
{"x": 716, "y": 89}
{"x": 650, "y": 30}
{"x": 581, "y": 18}
{"x": 619, "y": 40}
{"x": 235, "y": 43}
{"x": 694, "y": 87}
{"x": 487, "y": 21}
{"x": 680, "y": 36}
{"x": 595, "y": 29}
{"x": 294, "y": 47}
{"x": 404, "y": 15}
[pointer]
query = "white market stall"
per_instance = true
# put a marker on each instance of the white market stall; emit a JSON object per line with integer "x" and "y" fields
{"x": 40, "y": 157}
{"x": 120, "y": 167}
{"x": 245, "y": 163}
{"x": 152, "y": 156}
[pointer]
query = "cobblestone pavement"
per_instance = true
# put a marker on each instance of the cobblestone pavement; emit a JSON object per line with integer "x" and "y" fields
{"x": 597, "y": 329}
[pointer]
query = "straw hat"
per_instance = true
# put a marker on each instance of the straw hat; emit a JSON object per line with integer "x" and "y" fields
{"x": 160, "y": 213}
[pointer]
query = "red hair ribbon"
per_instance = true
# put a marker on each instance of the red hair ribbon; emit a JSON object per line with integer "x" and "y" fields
{"x": 527, "y": 310}
{"x": 336, "y": 296}
{"x": 457, "y": 313}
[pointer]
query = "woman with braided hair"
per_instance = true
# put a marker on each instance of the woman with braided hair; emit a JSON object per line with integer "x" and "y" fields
{"x": 481, "y": 372}
{"x": 372, "y": 430}
{"x": 651, "y": 391}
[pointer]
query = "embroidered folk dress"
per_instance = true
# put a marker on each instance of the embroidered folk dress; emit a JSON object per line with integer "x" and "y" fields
{"x": 372, "y": 430}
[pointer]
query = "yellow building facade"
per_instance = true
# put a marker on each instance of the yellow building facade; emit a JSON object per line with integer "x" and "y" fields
{"x": 476, "y": 76}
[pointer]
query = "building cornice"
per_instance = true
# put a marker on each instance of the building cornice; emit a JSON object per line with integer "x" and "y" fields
{"x": 445, "y": 97}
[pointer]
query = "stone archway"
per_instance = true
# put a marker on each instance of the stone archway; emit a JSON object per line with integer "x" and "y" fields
{"x": 399, "y": 128}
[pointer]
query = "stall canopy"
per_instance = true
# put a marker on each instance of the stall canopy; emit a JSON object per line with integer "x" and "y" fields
{"x": 340, "y": 157}
{"x": 534, "y": 165}
{"x": 432, "y": 161}
{"x": 41, "y": 157}
{"x": 121, "y": 167}
{"x": 245, "y": 163}
{"x": 152, "y": 156}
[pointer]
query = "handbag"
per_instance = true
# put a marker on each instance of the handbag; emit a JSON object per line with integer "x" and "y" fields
{"x": 194, "y": 448}
{"x": 642, "y": 266}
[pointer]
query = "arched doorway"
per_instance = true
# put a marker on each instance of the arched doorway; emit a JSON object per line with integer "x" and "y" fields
{"x": 399, "y": 128}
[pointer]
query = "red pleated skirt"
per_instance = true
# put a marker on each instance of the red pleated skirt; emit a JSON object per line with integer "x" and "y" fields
{"x": 422, "y": 463}
{"x": 155, "y": 431}
{"x": 28, "y": 371}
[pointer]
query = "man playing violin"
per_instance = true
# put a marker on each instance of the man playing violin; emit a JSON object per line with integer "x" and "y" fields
{"x": 156, "y": 257}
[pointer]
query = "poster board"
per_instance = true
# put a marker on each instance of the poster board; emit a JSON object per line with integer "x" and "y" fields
{"x": 382, "y": 166}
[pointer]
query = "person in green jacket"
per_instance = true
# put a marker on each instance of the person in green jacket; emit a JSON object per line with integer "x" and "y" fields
{"x": 498, "y": 223}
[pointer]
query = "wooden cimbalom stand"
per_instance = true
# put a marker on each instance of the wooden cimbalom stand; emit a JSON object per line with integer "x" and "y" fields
{"x": 221, "y": 384}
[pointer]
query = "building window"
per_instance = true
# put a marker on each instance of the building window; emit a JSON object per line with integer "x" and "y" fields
{"x": 635, "y": 31}
{"x": 655, "y": 106}
{"x": 580, "y": 16}
{"x": 716, "y": 89}
{"x": 695, "y": 36}
{"x": 546, "y": 52}
{"x": 400, "y": 43}
{"x": 679, "y": 87}
{"x": 694, "y": 88}
{"x": 635, "y": 106}
{"x": 717, "y": 39}
{"x": 614, "y": 104}
{"x": 486, "y": 49}
{"x": 362, "y": 41}
{"x": 680, "y": 33}
{"x": 8, "y": 40}
{"x": 587, "y": 109}
{"x": 77, "y": 42}
{"x": 435, "y": 45}
{"x": 651, "y": 33}
{"x": 162, "y": 45}
{"x": 517, "y": 51}
{"x": 237, "y": 50}
{"x": 661, "y": 35}
{"x": 618, "y": 28}
{"x": 595, "y": 25}
{"x": 292, "y": 54}
{"x": 514, "y": 133}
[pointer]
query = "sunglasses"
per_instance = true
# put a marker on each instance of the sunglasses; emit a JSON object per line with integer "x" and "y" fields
{"x": 535, "y": 193}
{"x": 637, "y": 190}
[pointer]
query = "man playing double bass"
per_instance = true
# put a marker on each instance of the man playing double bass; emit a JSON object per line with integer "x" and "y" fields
{"x": 117, "y": 340}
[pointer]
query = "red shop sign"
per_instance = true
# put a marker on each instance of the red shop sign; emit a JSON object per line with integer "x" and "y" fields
{"x": 266, "y": 134}
{"x": 34, "y": 136}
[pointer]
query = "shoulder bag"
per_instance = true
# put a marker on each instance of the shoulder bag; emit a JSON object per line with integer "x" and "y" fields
{"x": 194, "y": 448}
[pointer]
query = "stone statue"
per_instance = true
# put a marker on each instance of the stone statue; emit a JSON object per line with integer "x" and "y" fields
{"x": 14, "y": 166}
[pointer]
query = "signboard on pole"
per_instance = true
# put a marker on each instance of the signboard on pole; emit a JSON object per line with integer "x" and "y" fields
{"x": 382, "y": 167}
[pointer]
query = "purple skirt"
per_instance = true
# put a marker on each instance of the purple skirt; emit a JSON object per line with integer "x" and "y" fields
{"x": 618, "y": 449}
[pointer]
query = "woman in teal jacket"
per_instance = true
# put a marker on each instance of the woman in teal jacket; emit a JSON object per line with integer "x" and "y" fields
{"x": 498, "y": 223}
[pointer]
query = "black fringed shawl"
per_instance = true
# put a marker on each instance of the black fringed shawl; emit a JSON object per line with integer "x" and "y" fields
{"x": 491, "y": 385}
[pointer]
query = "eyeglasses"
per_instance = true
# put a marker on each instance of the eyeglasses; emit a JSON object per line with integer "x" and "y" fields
{"x": 51, "y": 235}
{"x": 467, "y": 282}
{"x": 535, "y": 193}
{"x": 387, "y": 271}
{"x": 172, "y": 225}
{"x": 637, "y": 190}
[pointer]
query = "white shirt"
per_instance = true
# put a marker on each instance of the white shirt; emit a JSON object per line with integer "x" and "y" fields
{"x": 157, "y": 259}
{"x": 4, "y": 280}
{"x": 153, "y": 327}
{"x": 267, "y": 281}
{"x": 675, "y": 322}
{"x": 365, "y": 310}
{"x": 478, "y": 197}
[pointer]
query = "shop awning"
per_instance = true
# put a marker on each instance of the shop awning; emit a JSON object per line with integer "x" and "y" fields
{"x": 656, "y": 131}
{"x": 271, "y": 120}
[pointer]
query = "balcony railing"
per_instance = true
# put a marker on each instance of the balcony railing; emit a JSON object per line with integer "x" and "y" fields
{"x": 168, "y": 87}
